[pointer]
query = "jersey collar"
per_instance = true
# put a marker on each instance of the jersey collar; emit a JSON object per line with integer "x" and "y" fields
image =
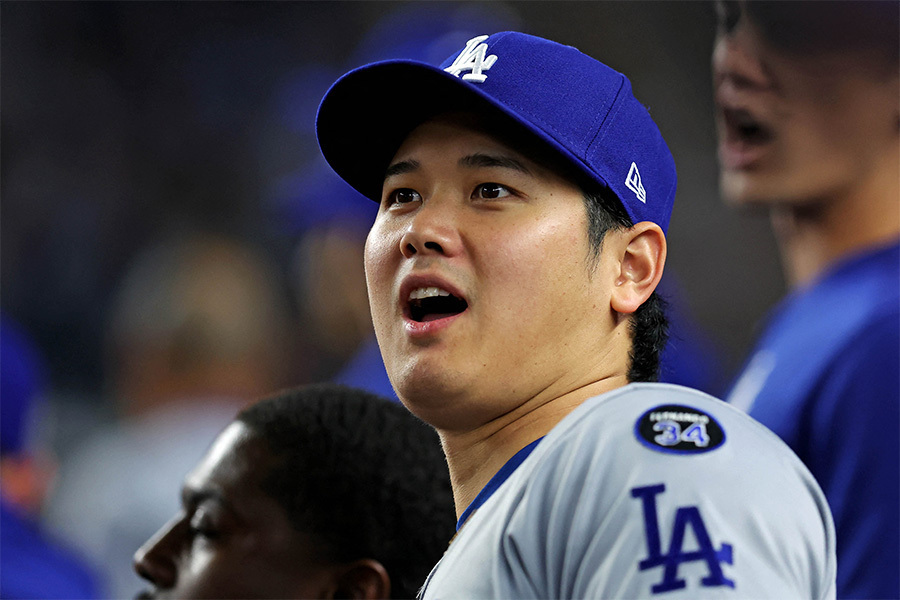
{"x": 497, "y": 480}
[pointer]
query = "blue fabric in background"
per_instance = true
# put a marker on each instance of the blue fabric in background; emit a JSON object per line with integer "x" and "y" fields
{"x": 20, "y": 385}
{"x": 825, "y": 377}
{"x": 366, "y": 370}
{"x": 691, "y": 357}
{"x": 32, "y": 565}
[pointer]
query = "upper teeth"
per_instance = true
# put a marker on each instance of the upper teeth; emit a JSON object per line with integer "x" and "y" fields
{"x": 428, "y": 292}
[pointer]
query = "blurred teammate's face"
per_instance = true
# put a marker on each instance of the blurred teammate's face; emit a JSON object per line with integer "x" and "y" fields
{"x": 796, "y": 125}
{"x": 230, "y": 539}
{"x": 480, "y": 278}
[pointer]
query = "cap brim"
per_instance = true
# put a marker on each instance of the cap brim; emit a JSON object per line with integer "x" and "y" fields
{"x": 367, "y": 113}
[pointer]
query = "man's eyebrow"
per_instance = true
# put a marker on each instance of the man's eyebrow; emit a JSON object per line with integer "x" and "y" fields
{"x": 489, "y": 160}
{"x": 399, "y": 168}
{"x": 477, "y": 160}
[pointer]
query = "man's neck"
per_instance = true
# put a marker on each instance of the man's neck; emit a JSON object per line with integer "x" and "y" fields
{"x": 475, "y": 456}
{"x": 813, "y": 237}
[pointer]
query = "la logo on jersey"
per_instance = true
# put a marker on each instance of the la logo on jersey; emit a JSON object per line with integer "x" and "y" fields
{"x": 473, "y": 58}
{"x": 633, "y": 183}
{"x": 685, "y": 517}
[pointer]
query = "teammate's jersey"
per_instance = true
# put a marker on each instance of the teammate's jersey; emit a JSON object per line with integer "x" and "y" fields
{"x": 825, "y": 377}
{"x": 651, "y": 490}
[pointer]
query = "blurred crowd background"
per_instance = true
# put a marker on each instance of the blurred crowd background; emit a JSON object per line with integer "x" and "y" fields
{"x": 173, "y": 246}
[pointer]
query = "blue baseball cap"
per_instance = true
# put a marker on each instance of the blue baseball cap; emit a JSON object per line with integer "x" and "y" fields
{"x": 581, "y": 109}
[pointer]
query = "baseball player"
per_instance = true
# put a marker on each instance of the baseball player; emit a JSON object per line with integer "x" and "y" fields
{"x": 524, "y": 195}
{"x": 809, "y": 129}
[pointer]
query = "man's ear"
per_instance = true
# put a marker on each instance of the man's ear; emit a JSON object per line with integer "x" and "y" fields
{"x": 642, "y": 256}
{"x": 364, "y": 579}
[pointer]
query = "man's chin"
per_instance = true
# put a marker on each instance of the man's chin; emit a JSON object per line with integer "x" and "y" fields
{"x": 433, "y": 397}
{"x": 424, "y": 380}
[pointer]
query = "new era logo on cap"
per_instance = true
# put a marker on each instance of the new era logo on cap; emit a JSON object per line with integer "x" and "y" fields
{"x": 578, "y": 107}
{"x": 633, "y": 183}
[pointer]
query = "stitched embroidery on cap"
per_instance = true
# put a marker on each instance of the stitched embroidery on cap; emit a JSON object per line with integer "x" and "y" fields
{"x": 633, "y": 183}
{"x": 473, "y": 58}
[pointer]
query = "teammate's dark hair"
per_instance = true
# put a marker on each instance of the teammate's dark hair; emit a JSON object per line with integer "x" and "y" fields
{"x": 800, "y": 26}
{"x": 361, "y": 475}
{"x": 649, "y": 326}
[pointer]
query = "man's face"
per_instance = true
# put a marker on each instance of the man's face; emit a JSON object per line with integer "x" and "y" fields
{"x": 230, "y": 539}
{"x": 480, "y": 278}
{"x": 796, "y": 127}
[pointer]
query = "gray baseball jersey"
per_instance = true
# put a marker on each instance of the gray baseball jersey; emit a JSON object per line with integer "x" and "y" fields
{"x": 649, "y": 491}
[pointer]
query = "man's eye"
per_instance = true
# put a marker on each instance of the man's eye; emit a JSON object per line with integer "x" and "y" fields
{"x": 201, "y": 525}
{"x": 404, "y": 196}
{"x": 489, "y": 191}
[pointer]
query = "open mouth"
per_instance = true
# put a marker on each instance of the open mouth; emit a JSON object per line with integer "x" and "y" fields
{"x": 433, "y": 303}
{"x": 741, "y": 126}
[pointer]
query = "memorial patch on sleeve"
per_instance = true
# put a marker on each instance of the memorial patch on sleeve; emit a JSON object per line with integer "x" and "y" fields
{"x": 679, "y": 429}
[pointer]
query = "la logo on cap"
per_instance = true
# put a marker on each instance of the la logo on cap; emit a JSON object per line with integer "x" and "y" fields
{"x": 473, "y": 58}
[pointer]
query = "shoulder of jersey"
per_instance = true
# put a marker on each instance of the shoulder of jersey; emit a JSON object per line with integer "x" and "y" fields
{"x": 671, "y": 419}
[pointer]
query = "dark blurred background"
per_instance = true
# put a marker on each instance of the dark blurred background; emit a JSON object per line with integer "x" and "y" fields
{"x": 124, "y": 119}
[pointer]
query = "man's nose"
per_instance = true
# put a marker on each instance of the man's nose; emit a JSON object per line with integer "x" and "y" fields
{"x": 736, "y": 59}
{"x": 432, "y": 230}
{"x": 155, "y": 560}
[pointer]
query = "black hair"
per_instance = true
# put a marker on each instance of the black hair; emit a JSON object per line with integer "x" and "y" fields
{"x": 801, "y": 26}
{"x": 649, "y": 326}
{"x": 361, "y": 475}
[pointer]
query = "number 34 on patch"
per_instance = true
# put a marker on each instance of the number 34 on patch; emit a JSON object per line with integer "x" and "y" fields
{"x": 679, "y": 429}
